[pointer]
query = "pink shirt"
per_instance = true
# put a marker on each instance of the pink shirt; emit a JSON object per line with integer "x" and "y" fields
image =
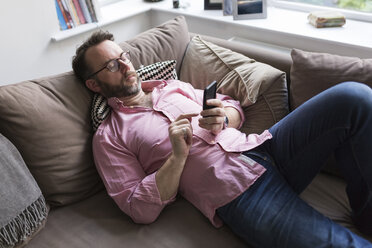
{"x": 132, "y": 144}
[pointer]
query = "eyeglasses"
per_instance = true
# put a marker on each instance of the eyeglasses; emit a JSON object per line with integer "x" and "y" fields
{"x": 113, "y": 65}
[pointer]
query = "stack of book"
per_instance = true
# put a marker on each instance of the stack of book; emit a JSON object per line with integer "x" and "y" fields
{"x": 323, "y": 19}
{"x": 72, "y": 13}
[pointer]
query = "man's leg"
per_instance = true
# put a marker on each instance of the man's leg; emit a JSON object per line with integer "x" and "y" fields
{"x": 337, "y": 120}
{"x": 270, "y": 214}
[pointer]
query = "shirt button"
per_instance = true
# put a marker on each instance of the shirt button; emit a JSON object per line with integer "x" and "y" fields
{"x": 213, "y": 142}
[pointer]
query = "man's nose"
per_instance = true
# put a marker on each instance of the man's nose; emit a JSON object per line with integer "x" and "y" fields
{"x": 123, "y": 66}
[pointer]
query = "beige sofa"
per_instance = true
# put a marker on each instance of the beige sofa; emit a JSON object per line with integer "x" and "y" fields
{"x": 48, "y": 120}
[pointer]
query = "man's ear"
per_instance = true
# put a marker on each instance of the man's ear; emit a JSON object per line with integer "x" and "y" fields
{"x": 92, "y": 85}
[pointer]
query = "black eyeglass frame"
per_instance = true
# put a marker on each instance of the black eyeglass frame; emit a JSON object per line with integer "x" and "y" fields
{"x": 125, "y": 54}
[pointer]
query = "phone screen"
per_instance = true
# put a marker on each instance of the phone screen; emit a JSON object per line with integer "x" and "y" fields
{"x": 209, "y": 93}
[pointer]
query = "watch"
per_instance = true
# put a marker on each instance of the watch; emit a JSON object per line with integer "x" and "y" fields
{"x": 225, "y": 122}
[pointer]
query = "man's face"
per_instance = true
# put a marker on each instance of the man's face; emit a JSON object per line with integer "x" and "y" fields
{"x": 122, "y": 83}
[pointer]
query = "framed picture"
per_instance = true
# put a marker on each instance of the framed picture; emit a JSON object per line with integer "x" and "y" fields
{"x": 213, "y": 4}
{"x": 249, "y": 9}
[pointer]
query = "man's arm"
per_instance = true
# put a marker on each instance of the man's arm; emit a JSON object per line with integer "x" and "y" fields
{"x": 168, "y": 176}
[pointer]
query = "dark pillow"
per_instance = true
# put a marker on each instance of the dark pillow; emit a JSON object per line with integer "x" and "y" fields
{"x": 312, "y": 73}
{"x": 160, "y": 70}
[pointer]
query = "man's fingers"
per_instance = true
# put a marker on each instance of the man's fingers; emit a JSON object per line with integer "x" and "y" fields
{"x": 215, "y": 103}
{"x": 211, "y": 120}
{"x": 213, "y": 112}
{"x": 181, "y": 131}
{"x": 187, "y": 116}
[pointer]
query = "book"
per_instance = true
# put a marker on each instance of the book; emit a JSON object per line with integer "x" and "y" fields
{"x": 79, "y": 12}
{"x": 97, "y": 9}
{"x": 85, "y": 10}
{"x": 61, "y": 18}
{"x": 73, "y": 13}
{"x": 64, "y": 9}
{"x": 323, "y": 19}
{"x": 91, "y": 10}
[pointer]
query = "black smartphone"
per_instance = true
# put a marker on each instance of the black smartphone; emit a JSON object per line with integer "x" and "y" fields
{"x": 209, "y": 93}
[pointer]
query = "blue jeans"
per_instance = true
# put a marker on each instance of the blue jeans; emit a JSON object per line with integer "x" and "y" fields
{"x": 270, "y": 213}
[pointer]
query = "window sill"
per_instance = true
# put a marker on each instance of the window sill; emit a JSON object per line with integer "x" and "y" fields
{"x": 282, "y": 27}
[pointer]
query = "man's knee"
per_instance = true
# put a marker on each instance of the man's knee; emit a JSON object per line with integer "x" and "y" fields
{"x": 354, "y": 94}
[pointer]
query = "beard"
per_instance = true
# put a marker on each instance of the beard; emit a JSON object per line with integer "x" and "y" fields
{"x": 120, "y": 90}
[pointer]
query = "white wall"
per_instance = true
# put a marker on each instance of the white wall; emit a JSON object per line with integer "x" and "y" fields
{"x": 26, "y": 49}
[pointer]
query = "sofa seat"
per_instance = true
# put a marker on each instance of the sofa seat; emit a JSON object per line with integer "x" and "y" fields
{"x": 98, "y": 222}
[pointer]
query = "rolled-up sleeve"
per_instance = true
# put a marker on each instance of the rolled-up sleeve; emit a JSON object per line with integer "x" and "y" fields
{"x": 133, "y": 191}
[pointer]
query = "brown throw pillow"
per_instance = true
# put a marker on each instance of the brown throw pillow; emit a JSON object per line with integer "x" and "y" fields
{"x": 48, "y": 120}
{"x": 260, "y": 88}
{"x": 165, "y": 42}
{"x": 312, "y": 73}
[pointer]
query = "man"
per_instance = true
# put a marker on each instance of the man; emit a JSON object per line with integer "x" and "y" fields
{"x": 158, "y": 142}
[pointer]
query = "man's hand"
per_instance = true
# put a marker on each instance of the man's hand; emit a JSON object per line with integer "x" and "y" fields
{"x": 213, "y": 119}
{"x": 180, "y": 135}
{"x": 168, "y": 176}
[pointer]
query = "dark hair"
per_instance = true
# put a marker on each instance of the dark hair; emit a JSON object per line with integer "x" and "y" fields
{"x": 79, "y": 65}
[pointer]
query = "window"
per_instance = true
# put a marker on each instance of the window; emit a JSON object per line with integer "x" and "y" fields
{"x": 358, "y": 5}
{"x": 353, "y": 9}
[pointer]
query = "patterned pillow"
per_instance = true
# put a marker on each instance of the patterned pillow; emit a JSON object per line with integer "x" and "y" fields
{"x": 161, "y": 70}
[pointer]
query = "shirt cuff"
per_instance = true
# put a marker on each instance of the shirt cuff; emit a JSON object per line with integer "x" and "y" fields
{"x": 148, "y": 191}
{"x": 235, "y": 104}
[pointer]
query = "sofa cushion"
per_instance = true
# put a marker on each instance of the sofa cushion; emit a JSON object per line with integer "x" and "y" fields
{"x": 99, "y": 222}
{"x": 48, "y": 120}
{"x": 165, "y": 42}
{"x": 260, "y": 88}
{"x": 160, "y": 70}
{"x": 22, "y": 205}
{"x": 312, "y": 73}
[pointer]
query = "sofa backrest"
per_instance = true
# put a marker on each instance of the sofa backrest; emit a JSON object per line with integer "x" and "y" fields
{"x": 48, "y": 119}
